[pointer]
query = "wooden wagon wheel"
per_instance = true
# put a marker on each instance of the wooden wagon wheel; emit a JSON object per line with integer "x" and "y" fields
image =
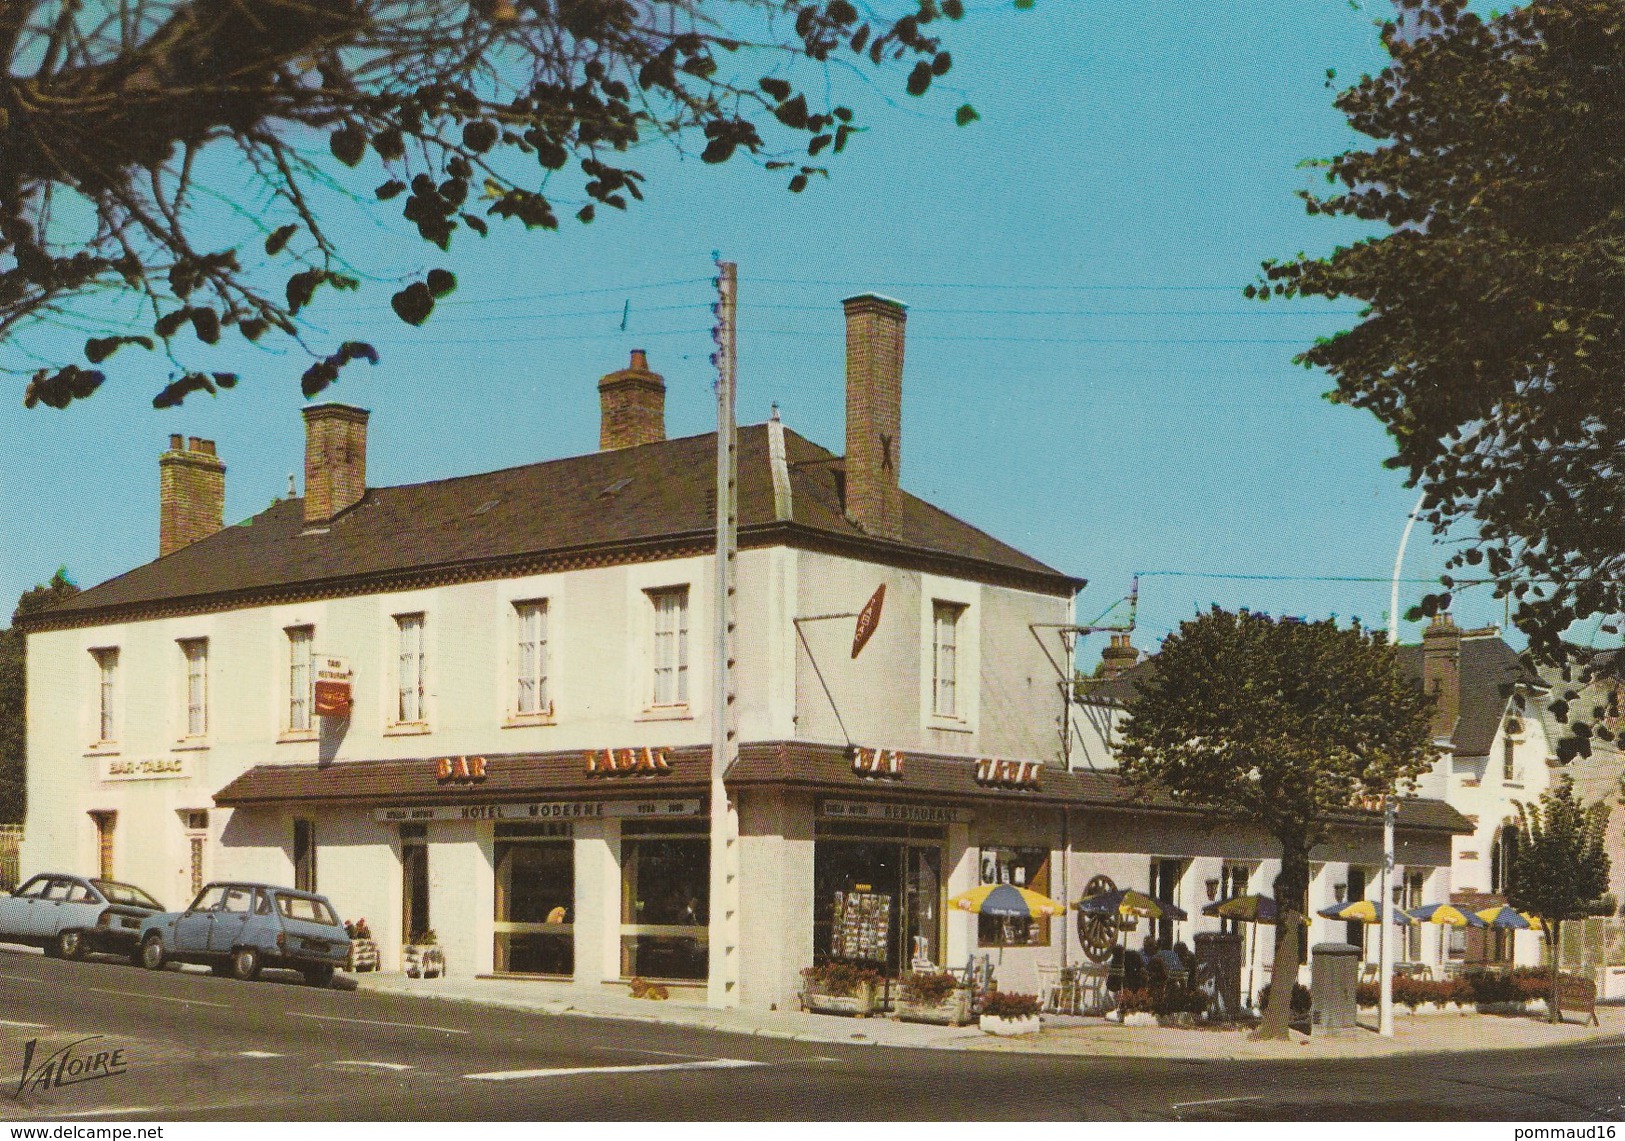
{"x": 1097, "y": 933}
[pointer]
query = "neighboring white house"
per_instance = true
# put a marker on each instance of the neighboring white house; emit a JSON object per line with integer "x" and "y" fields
{"x": 481, "y": 706}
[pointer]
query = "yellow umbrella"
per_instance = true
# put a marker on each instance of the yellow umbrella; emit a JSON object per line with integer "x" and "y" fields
{"x": 1007, "y": 901}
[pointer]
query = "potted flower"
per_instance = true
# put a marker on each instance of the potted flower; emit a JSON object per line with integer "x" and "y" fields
{"x": 1134, "y": 1008}
{"x": 840, "y": 988}
{"x": 363, "y": 951}
{"x": 1008, "y": 1014}
{"x": 934, "y": 996}
{"x": 422, "y": 958}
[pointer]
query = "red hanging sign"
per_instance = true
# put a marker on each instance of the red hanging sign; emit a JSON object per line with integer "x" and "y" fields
{"x": 868, "y": 619}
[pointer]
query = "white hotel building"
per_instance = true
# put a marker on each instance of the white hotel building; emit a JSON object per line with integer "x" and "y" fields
{"x": 509, "y": 634}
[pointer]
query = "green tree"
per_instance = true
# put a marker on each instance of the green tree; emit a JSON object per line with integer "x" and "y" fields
{"x": 134, "y": 134}
{"x": 1282, "y": 723}
{"x": 1560, "y": 870}
{"x": 1493, "y": 334}
{"x": 14, "y": 694}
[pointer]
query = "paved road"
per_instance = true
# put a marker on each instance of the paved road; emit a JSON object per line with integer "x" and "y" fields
{"x": 199, "y": 1048}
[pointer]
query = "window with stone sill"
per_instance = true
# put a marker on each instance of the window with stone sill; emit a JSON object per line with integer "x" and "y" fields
{"x": 106, "y": 694}
{"x": 411, "y": 671}
{"x": 670, "y": 647}
{"x": 532, "y": 696}
{"x": 195, "y": 713}
{"x": 945, "y": 697}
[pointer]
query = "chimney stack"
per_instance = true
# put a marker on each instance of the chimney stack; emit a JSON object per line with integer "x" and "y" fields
{"x": 191, "y": 493}
{"x": 874, "y": 413}
{"x": 335, "y": 459}
{"x": 632, "y": 406}
{"x": 1118, "y": 658}
{"x": 1441, "y": 673}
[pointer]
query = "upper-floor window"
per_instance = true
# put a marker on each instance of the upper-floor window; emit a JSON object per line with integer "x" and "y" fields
{"x": 1509, "y": 754}
{"x": 301, "y": 678}
{"x": 531, "y": 696}
{"x": 106, "y": 692}
{"x": 410, "y": 668}
{"x": 945, "y": 618}
{"x": 195, "y": 652}
{"x": 670, "y": 645}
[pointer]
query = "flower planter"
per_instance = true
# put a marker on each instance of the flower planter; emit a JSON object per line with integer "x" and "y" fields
{"x": 363, "y": 956}
{"x": 861, "y": 1003}
{"x": 1009, "y": 1027}
{"x": 951, "y": 1011}
{"x": 423, "y": 961}
{"x": 1139, "y": 1018}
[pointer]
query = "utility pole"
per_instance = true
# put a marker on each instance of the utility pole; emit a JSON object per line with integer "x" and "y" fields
{"x": 722, "y": 986}
{"x": 1385, "y": 954}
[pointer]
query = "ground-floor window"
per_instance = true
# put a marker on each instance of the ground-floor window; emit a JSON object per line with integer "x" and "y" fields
{"x": 1165, "y": 877}
{"x": 878, "y": 895}
{"x": 197, "y": 835}
{"x": 414, "y": 883}
{"x": 665, "y": 898}
{"x": 535, "y": 899}
{"x": 1415, "y": 883}
{"x": 1020, "y": 867}
{"x": 304, "y": 855}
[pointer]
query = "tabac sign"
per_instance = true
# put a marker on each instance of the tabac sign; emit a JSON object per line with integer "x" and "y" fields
{"x": 332, "y": 686}
{"x": 627, "y": 762}
{"x": 868, "y": 620}
{"x": 876, "y": 762}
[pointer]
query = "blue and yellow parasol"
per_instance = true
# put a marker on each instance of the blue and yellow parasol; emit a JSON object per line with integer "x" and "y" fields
{"x": 1363, "y": 911}
{"x": 1125, "y": 901}
{"x": 1446, "y": 914}
{"x": 1006, "y": 901}
{"x": 1509, "y": 918}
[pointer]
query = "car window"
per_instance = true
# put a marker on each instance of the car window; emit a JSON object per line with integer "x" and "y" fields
{"x": 308, "y": 908}
{"x": 238, "y": 899}
{"x": 126, "y": 894}
{"x": 58, "y": 889}
{"x": 262, "y": 903}
{"x": 209, "y": 898}
{"x": 79, "y": 893}
{"x": 35, "y": 888}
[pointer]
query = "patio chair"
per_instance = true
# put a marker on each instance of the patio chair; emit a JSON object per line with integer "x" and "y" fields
{"x": 1090, "y": 993}
{"x": 1049, "y": 988}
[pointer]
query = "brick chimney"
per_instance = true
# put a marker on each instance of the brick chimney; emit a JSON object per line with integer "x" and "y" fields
{"x": 874, "y": 413}
{"x": 191, "y": 493}
{"x": 1441, "y": 673}
{"x": 632, "y": 406}
{"x": 1118, "y": 658}
{"x": 335, "y": 459}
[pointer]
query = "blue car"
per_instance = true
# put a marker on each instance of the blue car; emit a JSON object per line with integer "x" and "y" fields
{"x": 240, "y": 928}
{"x": 69, "y": 915}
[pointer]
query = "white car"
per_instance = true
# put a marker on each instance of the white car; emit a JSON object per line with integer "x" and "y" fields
{"x": 71, "y": 915}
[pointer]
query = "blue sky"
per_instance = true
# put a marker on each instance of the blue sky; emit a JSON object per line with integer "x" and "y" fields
{"x": 1084, "y": 379}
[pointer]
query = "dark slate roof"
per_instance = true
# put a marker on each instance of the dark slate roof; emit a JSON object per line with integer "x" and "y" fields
{"x": 1490, "y": 670}
{"x": 649, "y": 497}
{"x": 820, "y": 767}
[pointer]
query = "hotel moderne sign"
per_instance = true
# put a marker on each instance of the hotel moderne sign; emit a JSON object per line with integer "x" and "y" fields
{"x": 547, "y": 810}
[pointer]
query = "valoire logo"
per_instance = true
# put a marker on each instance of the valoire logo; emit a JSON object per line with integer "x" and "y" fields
{"x": 69, "y": 1066}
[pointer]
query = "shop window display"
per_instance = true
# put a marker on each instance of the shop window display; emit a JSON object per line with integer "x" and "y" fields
{"x": 1022, "y": 867}
{"x": 665, "y": 898}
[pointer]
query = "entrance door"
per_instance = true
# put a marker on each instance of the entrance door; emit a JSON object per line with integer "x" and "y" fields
{"x": 923, "y": 895}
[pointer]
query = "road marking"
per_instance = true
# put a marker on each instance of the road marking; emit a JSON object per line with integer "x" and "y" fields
{"x": 567, "y": 1071}
{"x": 258, "y": 1054}
{"x": 159, "y": 997}
{"x": 1215, "y": 1101}
{"x": 396, "y": 1066}
{"x": 107, "y": 1112}
{"x": 25, "y": 1025}
{"x": 375, "y": 1022}
{"x": 661, "y": 1053}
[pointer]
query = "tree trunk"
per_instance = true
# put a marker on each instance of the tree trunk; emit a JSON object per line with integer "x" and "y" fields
{"x": 1291, "y": 888}
{"x": 1553, "y": 931}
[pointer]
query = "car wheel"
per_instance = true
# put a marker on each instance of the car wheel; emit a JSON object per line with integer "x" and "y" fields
{"x": 152, "y": 953}
{"x": 245, "y": 964}
{"x": 319, "y": 976}
{"x": 70, "y": 945}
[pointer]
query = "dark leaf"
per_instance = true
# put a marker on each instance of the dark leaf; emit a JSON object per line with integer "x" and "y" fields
{"x": 441, "y": 282}
{"x": 349, "y": 144}
{"x": 413, "y": 304}
{"x": 278, "y": 238}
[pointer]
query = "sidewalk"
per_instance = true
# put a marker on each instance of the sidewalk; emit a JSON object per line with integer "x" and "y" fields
{"x": 1413, "y": 1034}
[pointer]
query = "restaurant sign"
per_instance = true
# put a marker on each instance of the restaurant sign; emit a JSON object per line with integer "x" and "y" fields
{"x": 176, "y": 767}
{"x": 552, "y": 810}
{"x": 332, "y": 686}
{"x": 893, "y": 813}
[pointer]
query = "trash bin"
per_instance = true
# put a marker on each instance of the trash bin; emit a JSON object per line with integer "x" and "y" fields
{"x": 1218, "y": 972}
{"x": 1334, "y": 973}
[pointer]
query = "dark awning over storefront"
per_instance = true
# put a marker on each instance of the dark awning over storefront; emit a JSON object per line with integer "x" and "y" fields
{"x": 832, "y": 769}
